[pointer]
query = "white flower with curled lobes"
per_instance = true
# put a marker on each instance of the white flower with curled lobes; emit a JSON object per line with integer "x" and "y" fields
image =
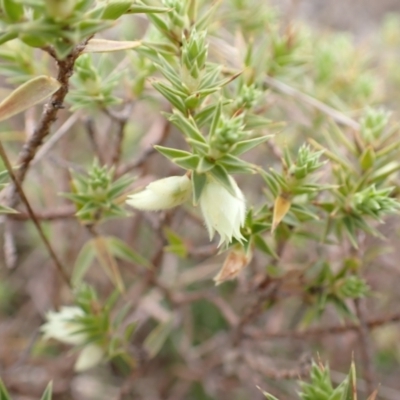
{"x": 162, "y": 194}
{"x": 223, "y": 212}
{"x": 62, "y": 327}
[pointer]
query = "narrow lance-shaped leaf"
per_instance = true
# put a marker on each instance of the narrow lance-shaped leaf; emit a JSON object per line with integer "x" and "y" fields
{"x": 144, "y": 9}
{"x": 198, "y": 182}
{"x": 215, "y": 120}
{"x": 27, "y": 95}
{"x": 83, "y": 262}
{"x": 106, "y": 46}
{"x": 172, "y": 153}
{"x": 157, "y": 337}
{"x": 219, "y": 173}
{"x": 115, "y": 9}
{"x": 246, "y": 145}
{"x": 3, "y": 392}
{"x": 123, "y": 251}
{"x": 350, "y": 389}
{"x": 47, "y": 395}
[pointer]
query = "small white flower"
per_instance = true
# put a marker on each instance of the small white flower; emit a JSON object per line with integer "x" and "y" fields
{"x": 223, "y": 212}
{"x": 162, "y": 194}
{"x": 62, "y": 327}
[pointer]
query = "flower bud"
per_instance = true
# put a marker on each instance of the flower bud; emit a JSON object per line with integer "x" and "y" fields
{"x": 223, "y": 212}
{"x": 162, "y": 194}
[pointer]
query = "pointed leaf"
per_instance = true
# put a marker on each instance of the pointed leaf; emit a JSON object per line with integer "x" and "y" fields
{"x": 246, "y": 145}
{"x": 190, "y": 163}
{"x": 106, "y": 46}
{"x": 157, "y": 337}
{"x": 83, "y": 262}
{"x": 3, "y": 392}
{"x": 27, "y": 95}
{"x": 198, "y": 182}
{"x": 47, "y": 395}
{"x": 171, "y": 153}
{"x": 144, "y": 9}
{"x": 221, "y": 175}
{"x": 120, "y": 249}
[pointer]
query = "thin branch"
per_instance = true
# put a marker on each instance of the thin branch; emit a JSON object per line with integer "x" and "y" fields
{"x": 259, "y": 334}
{"x": 49, "y": 115}
{"x": 61, "y": 131}
{"x": 366, "y": 348}
{"x": 47, "y": 215}
{"x": 121, "y": 120}
{"x": 336, "y": 115}
{"x": 161, "y": 125}
{"x": 32, "y": 215}
{"x": 90, "y": 129}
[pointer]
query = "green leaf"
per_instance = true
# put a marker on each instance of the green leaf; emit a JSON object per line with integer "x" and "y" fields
{"x": 187, "y": 125}
{"x": 47, "y": 395}
{"x": 173, "y": 96}
{"x": 27, "y": 95}
{"x": 220, "y": 174}
{"x": 206, "y": 113}
{"x": 7, "y": 210}
{"x": 145, "y": 9}
{"x": 198, "y": 182}
{"x": 6, "y": 36}
{"x": 3, "y": 392}
{"x": 215, "y": 120}
{"x": 13, "y": 10}
{"x": 234, "y": 165}
{"x": 171, "y": 153}
{"x": 83, "y": 262}
{"x": 378, "y": 175}
{"x": 190, "y": 162}
{"x": 200, "y": 147}
{"x": 157, "y": 337}
{"x": 350, "y": 388}
{"x": 170, "y": 74}
{"x": 246, "y": 145}
{"x": 204, "y": 21}
{"x": 204, "y": 165}
{"x": 176, "y": 243}
{"x": 261, "y": 244}
{"x": 121, "y": 250}
{"x": 115, "y": 9}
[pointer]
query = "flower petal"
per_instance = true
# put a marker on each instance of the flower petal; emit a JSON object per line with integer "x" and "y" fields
{"x": 162, "y": 194}
{"x": 90, "y": 356}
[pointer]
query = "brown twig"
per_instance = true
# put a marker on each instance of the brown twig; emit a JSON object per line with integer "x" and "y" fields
{"x": 32, "y": 215}
{"x": 366, "y": 349}
{"x": 47, "y": 215}
{"x": 121, "y": 120}
{"x": 259, "y": 334}
{"x": 164, "y": 125}
{"x": 49, "y": 115}
{"x": 336, "y": 115}
{"x": 90, "y": 129}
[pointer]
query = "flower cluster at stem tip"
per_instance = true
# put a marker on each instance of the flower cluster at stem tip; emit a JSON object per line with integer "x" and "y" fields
{"x": 223, "y": 212}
